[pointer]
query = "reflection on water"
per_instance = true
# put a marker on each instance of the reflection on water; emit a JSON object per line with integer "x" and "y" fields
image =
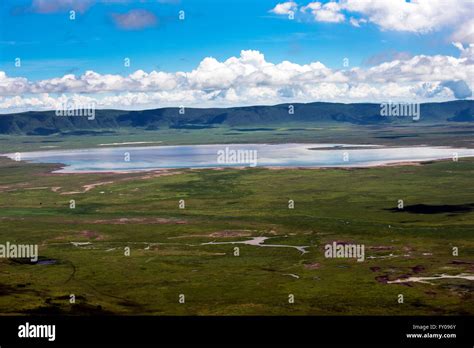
{"x": 234, "y": 155}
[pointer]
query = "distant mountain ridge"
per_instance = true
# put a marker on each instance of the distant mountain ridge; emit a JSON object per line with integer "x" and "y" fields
{"x": 46, "y": 122}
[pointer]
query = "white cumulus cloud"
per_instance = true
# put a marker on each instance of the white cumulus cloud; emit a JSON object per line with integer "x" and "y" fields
{"x": 416, "y": 16}
{"x": 328, "y": 12}
{"x": 250, "y": 79}
{"x": 284, "y": 8}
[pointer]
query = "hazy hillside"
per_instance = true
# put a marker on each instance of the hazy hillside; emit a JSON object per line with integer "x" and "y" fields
{"x": 46, "y": 122}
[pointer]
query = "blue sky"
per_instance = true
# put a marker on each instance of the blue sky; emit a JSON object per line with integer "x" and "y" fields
{"x": 104, "y": 33}
{"x": 51, "y": 44}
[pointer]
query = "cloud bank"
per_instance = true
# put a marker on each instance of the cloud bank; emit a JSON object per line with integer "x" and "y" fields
{"x": 250, "y": 79}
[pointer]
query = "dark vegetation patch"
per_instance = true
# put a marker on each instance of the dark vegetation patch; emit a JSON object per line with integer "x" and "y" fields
{"x": 397, "y": 136}
{"x": 6, "y": 289}
{"x": 43, "y": 141}
{"x": 418, "y": 269}
{"x": 41, "y": 261}
{"x": 458, "y": 262}
{"x": 191, "y": 126}
{"x": 253, "y": 129}
{"x": 434, "y": 209}
{"x": 42, "y": 131}
{"x": 87, "y": 132}
{"x": 74, "y": 309}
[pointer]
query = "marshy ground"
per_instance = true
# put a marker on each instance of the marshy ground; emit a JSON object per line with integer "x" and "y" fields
{"x": 190, "y": 251}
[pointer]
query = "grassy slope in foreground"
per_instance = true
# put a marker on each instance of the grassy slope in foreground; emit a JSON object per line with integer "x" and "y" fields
{"x": 167, "y": 258}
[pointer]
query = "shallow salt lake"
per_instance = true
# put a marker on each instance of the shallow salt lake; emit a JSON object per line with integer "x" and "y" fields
{"x": 236, "y": 155}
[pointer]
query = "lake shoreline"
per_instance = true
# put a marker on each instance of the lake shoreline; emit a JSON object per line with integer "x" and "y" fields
{"x": 125, "y": 160}
{"x": 58, "y": 167}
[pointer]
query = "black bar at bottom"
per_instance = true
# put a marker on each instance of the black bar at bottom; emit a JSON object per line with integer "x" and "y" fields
{"x": 342, "y": 330}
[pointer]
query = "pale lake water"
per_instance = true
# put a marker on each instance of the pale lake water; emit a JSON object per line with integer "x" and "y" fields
{"x": 142, "y": 158}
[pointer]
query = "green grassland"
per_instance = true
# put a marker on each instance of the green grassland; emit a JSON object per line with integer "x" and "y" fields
{"x": 168, "y": 259}
{"x": 457, "y": 134}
